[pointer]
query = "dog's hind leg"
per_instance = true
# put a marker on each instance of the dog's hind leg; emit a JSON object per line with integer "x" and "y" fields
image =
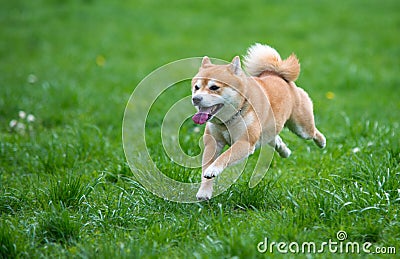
{"x": 301, "y": 122}
{"x": 307, "y": 130}
{"x": 319, "y": 139}
{"x": 280, "y": 147}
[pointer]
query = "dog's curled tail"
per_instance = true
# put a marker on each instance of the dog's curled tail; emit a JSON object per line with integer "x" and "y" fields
{"x": 262, "y": 58}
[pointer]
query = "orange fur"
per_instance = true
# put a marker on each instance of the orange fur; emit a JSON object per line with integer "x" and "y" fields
{"x": 254, "y": 109}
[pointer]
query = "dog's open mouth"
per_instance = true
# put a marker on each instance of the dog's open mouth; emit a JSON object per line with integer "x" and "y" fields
{"x": 206, "y": 113}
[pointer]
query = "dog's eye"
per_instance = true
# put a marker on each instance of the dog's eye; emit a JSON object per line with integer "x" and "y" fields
{"x": 214, "y": 88}
{"x": 196, "y": 87}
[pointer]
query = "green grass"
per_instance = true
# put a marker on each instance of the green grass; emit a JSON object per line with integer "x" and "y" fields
{"x": 65, "y": 187}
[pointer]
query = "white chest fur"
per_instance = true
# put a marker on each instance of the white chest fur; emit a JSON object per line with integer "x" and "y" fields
{"x": 235, "y": 130}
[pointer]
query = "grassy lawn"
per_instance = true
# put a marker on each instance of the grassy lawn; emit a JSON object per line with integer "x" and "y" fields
{"x": 66, "y": 189}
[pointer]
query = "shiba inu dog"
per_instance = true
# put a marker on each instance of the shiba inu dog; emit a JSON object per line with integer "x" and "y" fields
{"x": 245, "y": 112}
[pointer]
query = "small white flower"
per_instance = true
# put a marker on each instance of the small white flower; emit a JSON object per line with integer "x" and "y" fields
{"x": 30, "y": 118}
{"x": 356, "y": 150}
{"x": 21, "y": 128}
{"x": 22, "y": 114}
{"x": 13, "y": 123}
{"x": 32, "y": 79}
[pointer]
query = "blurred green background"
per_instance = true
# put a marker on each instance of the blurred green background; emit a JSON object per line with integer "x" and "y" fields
{"x": 83, "y": 51}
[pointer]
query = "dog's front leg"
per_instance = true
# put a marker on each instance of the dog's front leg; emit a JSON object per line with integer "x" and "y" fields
{"x": 237, "y": 152}
{"x": 212, "y": 149}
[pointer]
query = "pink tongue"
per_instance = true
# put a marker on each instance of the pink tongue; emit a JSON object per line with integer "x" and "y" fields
{"x": 200, "y": 117}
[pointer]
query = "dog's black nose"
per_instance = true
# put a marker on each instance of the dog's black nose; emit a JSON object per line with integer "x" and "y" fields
{"x": 196, "y": 100}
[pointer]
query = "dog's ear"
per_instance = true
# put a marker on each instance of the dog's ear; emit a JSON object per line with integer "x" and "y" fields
{"x": 206, "y": 61}
{"x": 235, "y": 66}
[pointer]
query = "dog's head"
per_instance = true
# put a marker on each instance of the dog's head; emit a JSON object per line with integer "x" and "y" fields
{"x": 217, "y": 91}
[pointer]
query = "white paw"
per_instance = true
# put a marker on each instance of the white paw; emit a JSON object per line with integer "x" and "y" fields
{"x": 321, "y": 143}
{"x": 212, "y": 171}
{"x": 204, "y": 194}
{"x": 320, "y": 140}
{"x": 283, "y": 151}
